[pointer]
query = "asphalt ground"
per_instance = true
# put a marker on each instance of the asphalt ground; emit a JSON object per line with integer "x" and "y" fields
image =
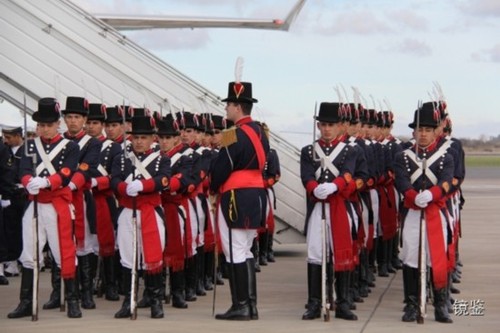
{"x": 282, "y": 290}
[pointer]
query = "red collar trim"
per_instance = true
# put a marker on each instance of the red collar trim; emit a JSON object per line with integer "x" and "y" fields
{"x": 244, "y": 120}
{"x": 55, "y": 139}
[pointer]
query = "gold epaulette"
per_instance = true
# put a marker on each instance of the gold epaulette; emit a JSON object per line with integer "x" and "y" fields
{"x": 266, "y": 130}
{"x": 229, "y": 137}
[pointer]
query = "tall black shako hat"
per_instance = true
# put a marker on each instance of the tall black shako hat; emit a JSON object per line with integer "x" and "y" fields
{"x": 240, "y": 92}
{"x": 97, "y": 111}
{"x": 78, "y": 105}
{"x": 114, "y": 115}
{"x": 143, "y": 125}
{"x": 429, "y": 116}
{"x": 330, "y": 112}
{"x": 167, "y": 126}
{"x": 188, "y": 120}
{"x": 220, "y": 122}
{"x": 48, "y": 111}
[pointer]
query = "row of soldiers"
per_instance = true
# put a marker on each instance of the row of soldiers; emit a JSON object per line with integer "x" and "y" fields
{"x": 371, "y": 192}
{"x": 87, "y": 188}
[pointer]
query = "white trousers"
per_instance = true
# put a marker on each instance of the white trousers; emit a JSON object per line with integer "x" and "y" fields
{"x": 47, "y": 232}
{"x": 241, "y": 240}
{"x": 411, "y": 236}
{"x": 314, "y": 239}
{"x": 376, "y": 216}
{"x": 125, "y": 237}
{"x": 201, "y": 223}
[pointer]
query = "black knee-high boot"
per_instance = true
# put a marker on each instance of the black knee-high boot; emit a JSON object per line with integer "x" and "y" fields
{"x": 145, "y": 301}
{"x": 86, "y": 281}
{"x": 263, "y": 246}
{"x": 124, "y": 311}
{"x": 313, "y": 292}
{"x": 111, "y": 287}
{"x": 191, "y": 281}
{"x": 55, "y": 295}
{"x": 382, "y": 257}
{"x": 342, "y": 287}
{"x": 71, "y": 290}
{"x": 24, "y": 309}
{"x": 200, "y": 271}
{"x": 270, "y": 251}
{"x": 410, "y": 283}
{"x": 155, "y": 286}
{"x": 440, "y": 310}
{"x": 209, "y": 270}
{"x": 178, "y": 282}
{"x": 238, "y": 281}
{"x": 252, "y": 289}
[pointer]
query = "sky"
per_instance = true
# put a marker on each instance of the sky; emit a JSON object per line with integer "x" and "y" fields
{"x": 390, "y": 50}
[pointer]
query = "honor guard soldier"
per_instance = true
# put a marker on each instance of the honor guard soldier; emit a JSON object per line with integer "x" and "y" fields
{"x": 113, "y": 124}
{"x": 455, "y": 198}
{"x": 75, "y": 117}
{"x": 138, "y": 176}
{"x": 371, "y": 135}
{"x": 47, "y": 184}
{"x": 106, "y": 208}
{"x": 13, "y": 202}
{"x": 388, "y": 198}
{"x": 236, "y": 176}
{"x": 360, "y": 177}
{"x": 175, "y": 204}
{"x": 272, "y": 174}
{"x": 219, "y": 125}
{"x": 327, "y": 190}
{"x": 423, "y": 175}
{"x": 189, "y": 124}
{"x": 394, "y": 146}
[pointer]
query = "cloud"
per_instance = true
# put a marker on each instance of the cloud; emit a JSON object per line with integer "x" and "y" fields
{"x": 360, "y": 22}
{"x": 407, "y": 18}
{"x": 480, "y": 7}
{"x": 488, "y": 55}
{"x": 410, "y": 46}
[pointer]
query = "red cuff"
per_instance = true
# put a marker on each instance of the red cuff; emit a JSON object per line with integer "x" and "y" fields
{"x": 102, "y": 183}
{"x": 311, "y": 185}
{"x": 55, "y": 181}
{"x": 122, "y": 188}
{"x": 78, "y": 179}
{"x": 437, "y": 193}
{"x": 148, "y": 185}
{"x": 340, "y": 182}
{"x": 175, "y": 184}
{"x": 26, "y": 179}
{"x": 410, "y": 199}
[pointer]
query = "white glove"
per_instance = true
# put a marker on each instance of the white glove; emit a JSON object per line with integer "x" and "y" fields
{"x": 72, "y": 186}
{"x": 423, "y": 198}
{"x": 5, "y": 203}
{"x": 36, "y": 183}
{"x": 322, "y": 191}
{"x": 134, "y": 188}
{"x": 94, "y": 182}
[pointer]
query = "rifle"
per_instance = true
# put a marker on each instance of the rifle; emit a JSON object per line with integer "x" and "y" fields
{"x": 133, "y": 285}
{"x": 213, "y": 204}
{"x": 325, "y": 306}
{"x": 422, "y": 255}
{"x": 34, "y": 221}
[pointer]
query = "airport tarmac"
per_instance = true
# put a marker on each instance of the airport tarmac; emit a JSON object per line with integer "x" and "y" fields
{"x": 282, "y": 290}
